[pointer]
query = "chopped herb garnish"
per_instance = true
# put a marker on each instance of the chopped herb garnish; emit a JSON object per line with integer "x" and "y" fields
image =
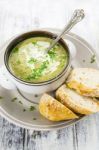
{"x": 18, "y": 62}
{"x": 36, "y": 73}
{"x": 36, "y": 95}
{"x": 93, "y": 59}
{"x": 15, "y": 49}
{"x": 83, "y": 60}
{"x": 14, "y": 99}
{"x": 32, "y": 60}
{"x": 56, "y": 46}
{"x": 32, "y": 108}
{"x": 52, "y": 53}
{"x": 34, "y": 42}
{"x": 1, "y": 97}
{"x": 34, "y": 118}
{"x": 20, "y": 102}
{"x": 44, "y": 65}
{"x": 24, "y": 110}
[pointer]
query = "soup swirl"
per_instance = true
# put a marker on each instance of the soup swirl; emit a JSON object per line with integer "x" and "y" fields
{"x": 29, "y": 61}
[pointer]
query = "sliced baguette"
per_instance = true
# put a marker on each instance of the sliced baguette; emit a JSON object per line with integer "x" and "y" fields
{"x": 85, "y": 81}
{"x": 75, "y": 102}
{"x": 53, "y": 110}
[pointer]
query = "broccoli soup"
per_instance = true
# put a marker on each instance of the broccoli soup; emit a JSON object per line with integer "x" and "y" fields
{"x": 29, "y": 61}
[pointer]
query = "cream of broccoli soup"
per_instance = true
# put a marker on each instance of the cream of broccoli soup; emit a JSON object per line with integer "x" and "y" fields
{"x": 29, "y": 61}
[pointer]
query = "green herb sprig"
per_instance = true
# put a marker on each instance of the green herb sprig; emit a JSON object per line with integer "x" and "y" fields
{"x": 52, "y": 53}
{"x": 93, "y": 58}
{"x": 36, "y": 73}
{"x": 14, "y": 99}
{"x": 16, "y": 49}
{"x": 32, "y": 60}
{"x": 32, "y": 108}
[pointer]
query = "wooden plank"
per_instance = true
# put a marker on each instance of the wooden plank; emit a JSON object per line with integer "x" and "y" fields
{"x": 86, "y": 134}
{"x": 55, "y": 140}
{"x": 11, "y": 136}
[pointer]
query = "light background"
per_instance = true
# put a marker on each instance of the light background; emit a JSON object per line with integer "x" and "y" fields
{"x": 17, "y": 16}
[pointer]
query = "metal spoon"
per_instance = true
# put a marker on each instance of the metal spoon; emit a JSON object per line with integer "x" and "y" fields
{"x": 78, "y": 15}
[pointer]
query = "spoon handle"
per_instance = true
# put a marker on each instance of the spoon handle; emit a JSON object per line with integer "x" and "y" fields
{"x": 78, "y": 15}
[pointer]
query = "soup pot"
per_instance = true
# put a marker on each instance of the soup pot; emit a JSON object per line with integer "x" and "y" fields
{"x": 10, "y": 81}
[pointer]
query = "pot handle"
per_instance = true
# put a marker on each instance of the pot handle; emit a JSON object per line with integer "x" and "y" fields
{"x": 72, "y": 49}
{"x": 5, "y": 82}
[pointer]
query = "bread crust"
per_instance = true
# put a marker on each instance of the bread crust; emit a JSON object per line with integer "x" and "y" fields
{"x": 53, "y": 110}
{"x": 84, "y": 105}
{"x": 85, "y": 81}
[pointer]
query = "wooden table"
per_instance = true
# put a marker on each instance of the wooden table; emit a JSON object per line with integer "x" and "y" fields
{"x": 17, "y": 16}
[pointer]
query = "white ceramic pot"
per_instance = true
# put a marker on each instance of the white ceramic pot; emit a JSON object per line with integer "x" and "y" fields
{"x": 9, "y": 81}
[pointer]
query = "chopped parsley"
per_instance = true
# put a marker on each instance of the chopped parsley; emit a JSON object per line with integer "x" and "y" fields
{"x": 34, "y": 42}
{"x": 24, "y": 110}
{"x": 34, "y": 118}
{"x": 32, "y": 108}
{"x": 52, "y": 53}
{"x": 14, "y": 99}
{"x": 1, "y": 97}
{"x": 44, "y": 65}
{"x": 18, "y": 62}
{"x": 36, "y": 73}
{"x": 83, "y": 60}
{"x": 36, "y": 95}
{"x": 20, "y": 102}
{"x": 32, "y": 60}
{"x": 15, "y": 49}
{"x": 93, "y": 59}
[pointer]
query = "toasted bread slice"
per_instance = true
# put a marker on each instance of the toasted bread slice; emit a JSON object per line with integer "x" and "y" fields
{"x": 85, "y": 81}
{"x": 53, "y": 110}
{"x": 75, "y": 102}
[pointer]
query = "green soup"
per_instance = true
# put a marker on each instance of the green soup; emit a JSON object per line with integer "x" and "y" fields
{"x": 29, "y": 61}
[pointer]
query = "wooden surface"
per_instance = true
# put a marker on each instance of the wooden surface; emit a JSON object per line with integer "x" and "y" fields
{"x": 17, "y": 16}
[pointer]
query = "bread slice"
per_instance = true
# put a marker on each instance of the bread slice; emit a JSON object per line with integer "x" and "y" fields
{"x": 75, "y": 102}
{"x": 53, "y": 110}
{"x": 85, "y": 81}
